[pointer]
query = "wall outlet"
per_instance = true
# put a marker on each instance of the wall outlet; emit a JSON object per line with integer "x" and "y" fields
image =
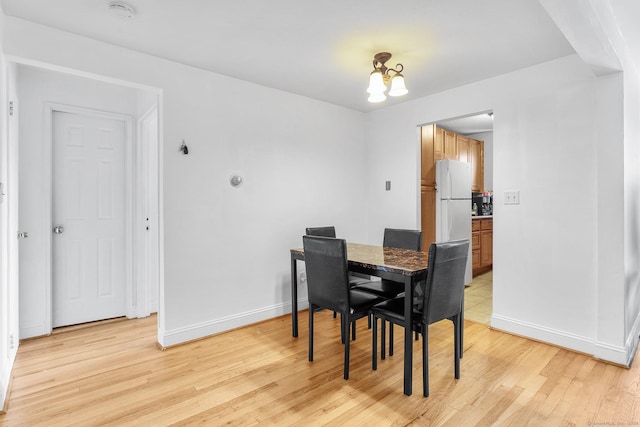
{"x": 387, "y": 185}
{"x": 512, "y": 197}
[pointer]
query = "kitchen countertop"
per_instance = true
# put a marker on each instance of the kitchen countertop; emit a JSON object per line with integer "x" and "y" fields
{"x": 481, "y": 216}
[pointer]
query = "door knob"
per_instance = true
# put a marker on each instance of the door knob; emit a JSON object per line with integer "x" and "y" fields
{"x": 58, "y": 230}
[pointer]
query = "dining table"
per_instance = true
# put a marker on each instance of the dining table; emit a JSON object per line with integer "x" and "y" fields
{"x": 404, "y": 266}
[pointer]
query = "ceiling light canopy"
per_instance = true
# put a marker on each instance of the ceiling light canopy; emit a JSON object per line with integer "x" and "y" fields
{"x": 121, "y": 9}
{"x": 380, "y": 77}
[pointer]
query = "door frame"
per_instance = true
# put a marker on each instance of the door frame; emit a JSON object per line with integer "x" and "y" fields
{"x": 47, "y": 214}
{"x": 147, "y": 214}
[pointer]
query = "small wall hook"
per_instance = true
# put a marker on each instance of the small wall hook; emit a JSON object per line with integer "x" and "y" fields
{"x": 184, "y": 148}
{"x": 236, "y": 180}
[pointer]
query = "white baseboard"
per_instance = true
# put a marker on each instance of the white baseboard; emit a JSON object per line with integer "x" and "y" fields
{"x": 4, "y": 392}
{"x": 34, "y": 330}
{"x": 5, "y": 382}
{"x": 611, "y": 353}
{"x": 632, "y": 341}
{"x": 196, "y": 331}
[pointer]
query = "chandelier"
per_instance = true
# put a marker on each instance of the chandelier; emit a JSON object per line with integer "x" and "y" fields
{"x": 380, "y": 77}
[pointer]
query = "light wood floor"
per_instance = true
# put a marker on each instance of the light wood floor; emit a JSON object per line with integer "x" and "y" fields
{"x": 113, "y": 374}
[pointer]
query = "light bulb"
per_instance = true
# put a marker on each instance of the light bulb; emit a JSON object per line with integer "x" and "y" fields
{"x": 397, "y": 86}
{"x": 377, "y": 97}
{"x": 376, "y": 84}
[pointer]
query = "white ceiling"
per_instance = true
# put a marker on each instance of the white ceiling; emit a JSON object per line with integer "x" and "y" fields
{"x": 322, "y": 49}
{"x": 469, "y": 125}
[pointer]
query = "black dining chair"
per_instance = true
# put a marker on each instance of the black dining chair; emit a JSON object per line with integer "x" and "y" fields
{"x": 328, "y": 287}
{"x": 387, "y": 289}
{"x": 393, "y": 238}
{"x": 330, "y": 231}
{"x": 443, "y": 299}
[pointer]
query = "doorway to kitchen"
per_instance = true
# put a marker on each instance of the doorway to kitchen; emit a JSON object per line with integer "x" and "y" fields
{"x": 465, "y": 139}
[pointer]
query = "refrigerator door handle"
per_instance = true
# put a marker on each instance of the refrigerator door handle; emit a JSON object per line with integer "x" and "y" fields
{"x": 449, "y": 221}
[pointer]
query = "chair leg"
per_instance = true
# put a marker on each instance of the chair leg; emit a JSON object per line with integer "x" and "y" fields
{"x": 311, "y": 311}
{"x": 425, "y": 360}
{"x": 353, "y": 330}
{"x": 334, "y": 314}
{"x": 383, "y": 337}
{"x": 369, "y": 321}
{"x": 456, "y": 346}
{"x": 347, "y": 342}
{"x": 461, "y": 329}
{"x": 390, "y": 338}
{"x": 374, "y": 344}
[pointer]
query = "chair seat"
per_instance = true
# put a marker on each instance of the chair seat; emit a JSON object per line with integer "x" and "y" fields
{"x": 384, "y": 288}
{"x": 355, "y": 281}
{"x": 392, "y": 309}
{"x": 362, "y": 301}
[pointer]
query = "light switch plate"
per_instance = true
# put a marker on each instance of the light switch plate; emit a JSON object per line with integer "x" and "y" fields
{"x": 512, "y": 197}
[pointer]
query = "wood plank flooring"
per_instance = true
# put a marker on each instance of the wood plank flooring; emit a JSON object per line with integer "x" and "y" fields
{"x": 114, "y": 374}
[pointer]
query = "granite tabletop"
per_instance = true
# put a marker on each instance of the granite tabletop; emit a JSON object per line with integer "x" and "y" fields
{"x": 393, "y": 260}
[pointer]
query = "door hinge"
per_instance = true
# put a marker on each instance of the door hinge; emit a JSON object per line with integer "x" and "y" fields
{"x": 11, "y": 108}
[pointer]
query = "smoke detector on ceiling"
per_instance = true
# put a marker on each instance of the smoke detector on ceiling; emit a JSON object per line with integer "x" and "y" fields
{"x": 121, "y": 9}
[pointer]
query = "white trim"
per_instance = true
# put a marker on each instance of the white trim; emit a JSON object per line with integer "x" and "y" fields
{"x": 78, "y": 73}
{"x": 47, "y": 214}
{"x": 161, "y": 305}
{"x": 632, "y": 341}
{"x": 145, "y": 185}
{"x": 223, "y": 324}
{"x": 604, "y": 351}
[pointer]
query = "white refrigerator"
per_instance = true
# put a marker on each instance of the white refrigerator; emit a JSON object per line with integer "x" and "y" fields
{"x": 453, "y": 204}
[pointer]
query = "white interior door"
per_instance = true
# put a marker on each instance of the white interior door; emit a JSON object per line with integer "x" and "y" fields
{"x": 88, "y": 260}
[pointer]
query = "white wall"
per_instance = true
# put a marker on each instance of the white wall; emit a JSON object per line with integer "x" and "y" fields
{"x": 632, "y": 207}
{"x": 227, "y": 249}
{"x": 8, "y": 224}
{"x": 594, "y": 31}
{"x": 546, "y": 142}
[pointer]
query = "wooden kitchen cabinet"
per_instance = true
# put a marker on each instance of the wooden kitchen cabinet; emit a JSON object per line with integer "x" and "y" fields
{"x": 450, "y": 145}
{"x": 463, "y": 149}
{"x": 428, "y": 185}
{"x": 476, "y": 159}
{"x": 475, "y": 245}
{"x": 481, "y": 245}
{"x": 428, "y": 217}
{"x": 427, "y": 156}
{"x": 445, "y": 145}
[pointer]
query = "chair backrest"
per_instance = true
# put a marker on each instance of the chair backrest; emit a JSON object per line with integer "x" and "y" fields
{"x": 402, "y": 239}
{"x": 321, "y": 231}
{"x": 444, "y": 288}
{"x": 327, "y": 272}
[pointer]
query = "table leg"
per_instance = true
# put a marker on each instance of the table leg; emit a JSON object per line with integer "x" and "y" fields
{"x": 294, "y": 297}
{"x": 408, "y": 334}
